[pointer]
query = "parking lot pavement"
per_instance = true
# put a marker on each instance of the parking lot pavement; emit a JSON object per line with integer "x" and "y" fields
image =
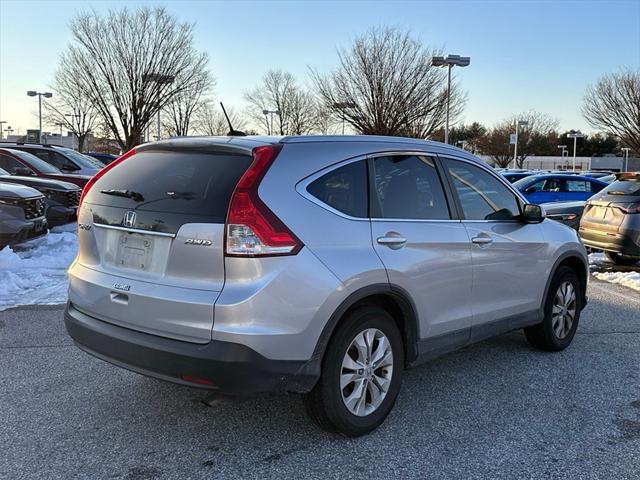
{"x": 497, "y": 409}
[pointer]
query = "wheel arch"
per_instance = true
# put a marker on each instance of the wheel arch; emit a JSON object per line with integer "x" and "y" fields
{"x": 578, "y": 265}
{"x": 395, "y": 300}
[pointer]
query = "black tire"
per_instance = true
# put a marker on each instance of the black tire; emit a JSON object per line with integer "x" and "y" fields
{"x": 542, "y": 336}
{"x": 622, "y": 260}
{"x": 324, "y": 403}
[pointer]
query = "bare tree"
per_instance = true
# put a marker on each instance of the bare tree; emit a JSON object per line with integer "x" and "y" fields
{"x": 538, "y": 137}
{"x": 279, "y": 92}
{"x": 71, "y": 109}
{"x": 613, "y": 105}
{"x": 211, "y": 121}
{"x": 131, "y": 64}
{"x": 180, "y": 113}
{"x": 388, "y": 79}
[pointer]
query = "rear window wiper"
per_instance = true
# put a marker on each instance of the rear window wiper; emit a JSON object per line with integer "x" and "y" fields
{"x": 135, "y": 196}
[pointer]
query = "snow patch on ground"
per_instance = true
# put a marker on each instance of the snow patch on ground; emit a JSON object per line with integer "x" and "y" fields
{"x": 35, "y": 273}
{"x": 628, "y": 279}
{"x": 597, "y": 258}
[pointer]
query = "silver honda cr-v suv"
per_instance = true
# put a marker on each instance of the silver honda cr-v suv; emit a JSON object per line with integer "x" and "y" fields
{"x": 318, "y": 265}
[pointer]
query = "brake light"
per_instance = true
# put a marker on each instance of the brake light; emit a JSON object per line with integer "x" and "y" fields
{"x": 252, "y": 230}
{"x": 630, "y": 207}
{"x": 97, "y": 176}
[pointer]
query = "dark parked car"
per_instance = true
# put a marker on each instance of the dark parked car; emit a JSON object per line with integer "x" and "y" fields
{"x": 61, "y": 198}
{"x": 21, "y": 214}
{"x": 596, "y": 174}
{"x": 611, "y": 220}
{"x": 568, "y": 213}
{"x": 64, "y": 159}
{"x": 104, "y": 158}
{"x": 556, "y": 187}
{"x": 515, "y": 176}
{"x": 17, "y": 162}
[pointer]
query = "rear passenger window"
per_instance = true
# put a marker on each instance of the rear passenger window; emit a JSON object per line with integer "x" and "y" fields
{"x": 344, "y": 189}
{"x": 408, "y": 187}
{"x": 578, "y": 186}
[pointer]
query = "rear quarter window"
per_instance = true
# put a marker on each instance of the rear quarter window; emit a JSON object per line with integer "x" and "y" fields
{"x": 193, "y": 183}
{"x": 343, "y": 189}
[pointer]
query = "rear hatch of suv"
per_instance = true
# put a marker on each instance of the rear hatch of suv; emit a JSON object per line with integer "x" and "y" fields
{"x": 151, "y": 239}
{"x": 607, "y": 214}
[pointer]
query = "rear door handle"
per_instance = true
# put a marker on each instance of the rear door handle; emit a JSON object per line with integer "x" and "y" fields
{"x": 482, "y": 240}
{"x": 392, "y": 241}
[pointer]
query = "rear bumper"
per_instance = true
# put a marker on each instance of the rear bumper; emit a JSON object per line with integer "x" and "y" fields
{"x": 612, "y": 242}
{"x": 229, "y": 367}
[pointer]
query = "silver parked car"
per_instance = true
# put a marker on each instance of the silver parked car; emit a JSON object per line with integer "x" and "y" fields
{"x": 318, "y": 265}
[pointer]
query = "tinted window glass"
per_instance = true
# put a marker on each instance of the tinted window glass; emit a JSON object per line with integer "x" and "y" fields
{"x": 482, "y": 196}
{"x": 35, "y": 162}
{"x": 344, "y": 189}
{"x": 9, "y": 164}
{"x": 173, "y": 182}
{"x": 407, "y": 186}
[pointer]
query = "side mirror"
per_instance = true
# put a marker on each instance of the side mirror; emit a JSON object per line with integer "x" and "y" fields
{"x": 23, "y": 172}
{"x": 533, "y": 213}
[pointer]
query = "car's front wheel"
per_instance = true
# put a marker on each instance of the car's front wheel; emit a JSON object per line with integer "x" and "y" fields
{"x": 361, "y": 374}
{"x": 561, "y": 313}
{"x": 622, "y": 260}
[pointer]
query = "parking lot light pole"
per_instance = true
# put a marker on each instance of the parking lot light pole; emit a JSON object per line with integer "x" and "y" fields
{"x": 519, "y": 123}
{"x": 575, "y": 135}
{"x": 270, "y": 113}
{"x": 1, "y": 123}
{"x": 449, "y": 61}
{"x": 626, "y": 158}
{"x": 564, "y": 150}
{"x": 9, "y": 131}
{"x": 33, "y": 93}
{"x": 160, "y": 79}
{"x": 342, "y": 106}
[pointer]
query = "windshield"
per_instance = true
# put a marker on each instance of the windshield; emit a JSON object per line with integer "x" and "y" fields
{"x": 35, "y": 162}
{"x": 523, "y": 182}
{"x": 628, "y": 186}
{"x": 80, "y": 159}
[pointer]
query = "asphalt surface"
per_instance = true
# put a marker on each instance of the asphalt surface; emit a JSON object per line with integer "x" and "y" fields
{"x": 497, "y": 409}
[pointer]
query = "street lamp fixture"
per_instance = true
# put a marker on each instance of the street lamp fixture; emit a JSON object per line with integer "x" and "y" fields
{"x": 9, "y": 131}
{"x": 519, "y": 123}
{"x": 1, "y": 122}
{"x": 449, "y": 62}
{"x": 462, "y": 143}
{"x": 270, "y": 113}
{"x": 564, "y": 150}
{"x": 575, "y": 135}
{"x": 33, "y": 93}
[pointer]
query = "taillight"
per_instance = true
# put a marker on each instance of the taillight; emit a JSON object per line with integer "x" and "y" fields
{"x": 97, "y": 176}
{"x": 629, "y": 207}
{"x": 252, "y": 230}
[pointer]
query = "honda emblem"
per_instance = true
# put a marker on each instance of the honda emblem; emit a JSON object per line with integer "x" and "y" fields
{"x": 129, "y": 219}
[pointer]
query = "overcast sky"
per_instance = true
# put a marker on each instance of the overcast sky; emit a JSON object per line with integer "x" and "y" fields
{"x": 525, "y": 55}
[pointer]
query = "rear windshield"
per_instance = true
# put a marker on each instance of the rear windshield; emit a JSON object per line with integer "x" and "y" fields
{"x": 629, "y": 186}
{"x": 173, "y": 182}
{"x": 82, "y": 160}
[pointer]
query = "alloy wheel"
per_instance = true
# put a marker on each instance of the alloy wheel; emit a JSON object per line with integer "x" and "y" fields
{"x": 366, "y": 372}
{"x": 563, "y": 312}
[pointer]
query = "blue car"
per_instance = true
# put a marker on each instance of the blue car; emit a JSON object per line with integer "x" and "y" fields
{"x": 554, "y": 187}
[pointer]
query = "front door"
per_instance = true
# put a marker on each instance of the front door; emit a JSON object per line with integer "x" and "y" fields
{"x": 509, "y": 256}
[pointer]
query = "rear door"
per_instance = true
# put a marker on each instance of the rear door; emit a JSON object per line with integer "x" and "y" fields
{"x": 151, "y": 234}
{"x": 509, "y": 256}
{"x": 425, "y": 250}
